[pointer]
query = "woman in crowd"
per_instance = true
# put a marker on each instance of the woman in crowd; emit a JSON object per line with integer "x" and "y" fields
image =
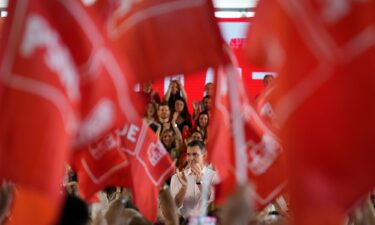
{"x": 175, "y": 90}
{"x": 172, "y": 143}
{"x": 202, "y": 123}
{"x": 183, "y": 119}
{"x": 151, "y": 116}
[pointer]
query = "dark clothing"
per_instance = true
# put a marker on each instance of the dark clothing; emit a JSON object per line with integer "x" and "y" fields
{"x": 149, "y": 97}
{"x": 153, "y": 127}
{"x": 184, "y": 123}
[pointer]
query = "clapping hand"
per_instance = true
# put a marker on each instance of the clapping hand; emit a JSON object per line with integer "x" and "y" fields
{"x": 179, "y": 83}
{"x": 181, "y": 177}
{"x": 196, "y": 168}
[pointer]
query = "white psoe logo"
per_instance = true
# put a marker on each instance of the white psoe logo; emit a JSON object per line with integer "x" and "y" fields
{"x": 155, "y": 153}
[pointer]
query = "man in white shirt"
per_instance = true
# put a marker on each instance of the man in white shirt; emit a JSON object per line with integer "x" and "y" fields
{"x": 187, "y": 185}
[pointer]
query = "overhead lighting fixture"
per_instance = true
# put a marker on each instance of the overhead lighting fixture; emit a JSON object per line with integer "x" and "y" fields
{"x": 233, "y": 14}
{"x": 88, "y": 2}
{"x": 4, "y": 14}
{"x": 228, "y": 4}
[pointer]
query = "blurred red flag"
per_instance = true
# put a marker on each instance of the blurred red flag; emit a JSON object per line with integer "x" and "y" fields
{"x": 324, "y": 52}
{"x": 150, "y": 165}
{"x": 100, "y": 165}
{"x": 164, "y": 37}
{"x": 61, "y": 87}
{"x": 265, "y": 108}
{"x": 241, "y": 147}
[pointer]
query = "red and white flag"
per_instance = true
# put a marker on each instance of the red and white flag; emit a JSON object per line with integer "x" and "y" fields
{"x": 159, "y": 40}
{"x": 61, "y": 87}
{"x": 324, "y": 52}
{"x": 101, "y": 165}
{"x": 131, "y": 157}
{"x": 150, "y": 165}
{"x": 241, "y": 147}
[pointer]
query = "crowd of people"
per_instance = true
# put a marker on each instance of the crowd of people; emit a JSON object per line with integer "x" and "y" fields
{"x": 190, "y": 191}
{"x": 170, "y": 118}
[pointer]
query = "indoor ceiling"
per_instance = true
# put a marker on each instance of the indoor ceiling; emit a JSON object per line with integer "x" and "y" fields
{"x": 3, "y": 3}
{"x": 220, "y": 4}
{"x": 224, "y": 8}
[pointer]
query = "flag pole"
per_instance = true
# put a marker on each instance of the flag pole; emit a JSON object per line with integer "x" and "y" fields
{"x": 238, "y": 131}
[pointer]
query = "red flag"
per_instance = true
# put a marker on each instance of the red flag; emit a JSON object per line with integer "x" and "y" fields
{"x": 61, "y": 86}
{"x": 265, "y": 108}
{"x": 105, "y": 79}
{"x": 241, "y": 146}
{"x": 150, "y": 165}
{"x": 100, "y": 165}
{"x": 37, "y": 117}
{"x": 158, "y": 38}
{"x": 324, "y": 52}
{"x": 133, "y": 158}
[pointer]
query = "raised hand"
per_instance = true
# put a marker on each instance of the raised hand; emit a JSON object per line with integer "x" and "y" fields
{"x": 197, "y": 170}
{"x": 195, "y": 105}
{"x": 168, "y": 207}
{"x": 238, "y": 209}
{"x": 181, "y": 177}
{"x": 166, "y": 126}
{"x": 174, "y": 117}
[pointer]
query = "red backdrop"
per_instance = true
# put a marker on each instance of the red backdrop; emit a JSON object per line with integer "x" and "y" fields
{"x": 234, "y": 31}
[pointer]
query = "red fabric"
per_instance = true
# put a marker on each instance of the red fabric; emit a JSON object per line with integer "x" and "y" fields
{"x": 105, "y": 78}
{"x": 61, "y": 86}
{"x": 264, "y": 166}
{"x": 150, "y": 165}
{"x": 34, "y": 126}
{"x": 100, "y": 165}
{"x": 32, "y": 207}
{"x": 220, "y": 141}
{"x": 159, "y": 40}
{"x": 323, "y": 99}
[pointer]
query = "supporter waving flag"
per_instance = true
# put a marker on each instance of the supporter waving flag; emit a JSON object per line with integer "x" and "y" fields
{"x": 241, "y": 147}
{"x": 164, "y": 37}
{"x": 324, "y": 52}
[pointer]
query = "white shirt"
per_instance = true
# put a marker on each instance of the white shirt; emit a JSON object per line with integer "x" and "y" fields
{"x": 191, "y": 204}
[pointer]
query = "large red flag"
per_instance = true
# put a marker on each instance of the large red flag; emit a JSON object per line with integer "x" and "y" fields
{"x": 150, "y": 165}
{"x": 133, "y": 158}
{"x": 240, "y": 145}
{"x": 165, "y": 37}
{"x": 324, "y": 52}
{"x": 62, "y": 86}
